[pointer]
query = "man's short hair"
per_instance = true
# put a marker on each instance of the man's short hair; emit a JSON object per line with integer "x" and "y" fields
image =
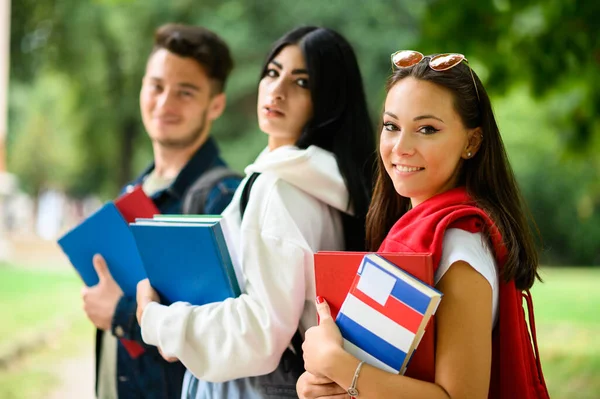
{"x": 199, "y": 43}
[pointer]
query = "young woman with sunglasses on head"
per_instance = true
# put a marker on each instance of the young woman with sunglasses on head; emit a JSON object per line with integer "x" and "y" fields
{"x": 310, "y": 191}
{"x": 445, "y": 186}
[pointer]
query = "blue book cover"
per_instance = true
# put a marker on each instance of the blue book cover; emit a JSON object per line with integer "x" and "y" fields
{"x": 187, "y": 261}
{"x": 385, "y": 313}
{"x": 105, "y": 233}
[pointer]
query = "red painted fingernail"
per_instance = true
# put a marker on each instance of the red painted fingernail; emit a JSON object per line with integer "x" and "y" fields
{"x": 320, "y": 299}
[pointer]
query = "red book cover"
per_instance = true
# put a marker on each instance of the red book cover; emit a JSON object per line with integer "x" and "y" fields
{"x": 334, "y": 274}
{"x": 132, "y": 205}
{"x": 135, "y": 204}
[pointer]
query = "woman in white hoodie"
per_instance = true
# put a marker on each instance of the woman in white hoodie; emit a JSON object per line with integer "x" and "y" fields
{"x": 310, "y": 192}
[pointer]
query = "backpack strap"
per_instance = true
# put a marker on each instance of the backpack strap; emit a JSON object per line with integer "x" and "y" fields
{"x": 291, "y": 361}
{"x": 527, "y": 295}
{"x": 246, "y": 193}
{"x": 194, "y": 199}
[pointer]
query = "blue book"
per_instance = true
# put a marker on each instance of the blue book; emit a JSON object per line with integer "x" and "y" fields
{"x": 105, "y": 233}
{"x": 384, "y": 315}
{"x": 186, "y": 261}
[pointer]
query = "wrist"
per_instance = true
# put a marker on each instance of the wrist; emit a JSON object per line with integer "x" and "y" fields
{"x": 121, "y": 319}
{"x": 352, "y": 389}
{"x": 343, "y": 369}
{"x": 333, "y": 360}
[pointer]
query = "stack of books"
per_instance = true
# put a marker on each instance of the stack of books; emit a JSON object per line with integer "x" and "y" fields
{"x": 184, "y": 257}
{"x": 384, "y": 306}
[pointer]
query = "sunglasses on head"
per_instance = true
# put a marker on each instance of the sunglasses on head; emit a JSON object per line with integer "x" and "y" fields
{"x": 440, "y": 62}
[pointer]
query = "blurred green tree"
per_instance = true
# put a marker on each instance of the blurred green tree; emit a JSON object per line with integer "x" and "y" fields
{"x": 103, "y": 45}
{"x": 44, "y": 155}
{"x": 76, "y": 69}
{"x": 553, "y": 46}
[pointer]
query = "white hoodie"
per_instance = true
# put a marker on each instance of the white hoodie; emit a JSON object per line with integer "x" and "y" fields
{"x": 292, "y": 213}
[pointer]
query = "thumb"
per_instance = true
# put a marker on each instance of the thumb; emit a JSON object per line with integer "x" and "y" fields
{"x": 323, "y": 309}
{"x": 101, "y": 268}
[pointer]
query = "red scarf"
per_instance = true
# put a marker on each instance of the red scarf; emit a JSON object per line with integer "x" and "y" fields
{"x": 516, "y": 371}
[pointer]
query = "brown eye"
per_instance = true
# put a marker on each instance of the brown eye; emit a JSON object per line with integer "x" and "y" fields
{"x": 427, "y": 130}
{"x": 390, "y": 127}
{"x": 302, "y": 83}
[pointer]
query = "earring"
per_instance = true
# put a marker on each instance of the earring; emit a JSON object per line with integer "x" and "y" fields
{"x": 469, "y": 154}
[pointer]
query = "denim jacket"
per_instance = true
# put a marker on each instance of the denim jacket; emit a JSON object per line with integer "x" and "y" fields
{"x": 149, "y": 375}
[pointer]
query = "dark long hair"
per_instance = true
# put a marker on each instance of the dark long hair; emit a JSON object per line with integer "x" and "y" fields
{"x": 487, "y": 176}
{"x": 340, "y": 123}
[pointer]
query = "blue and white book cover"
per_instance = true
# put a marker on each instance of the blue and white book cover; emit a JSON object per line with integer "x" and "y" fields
{"x": 383, "y": 314}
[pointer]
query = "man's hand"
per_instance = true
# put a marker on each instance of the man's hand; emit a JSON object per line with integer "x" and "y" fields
{"x": 100, "y": 301}
{"x": 145, "y": 294}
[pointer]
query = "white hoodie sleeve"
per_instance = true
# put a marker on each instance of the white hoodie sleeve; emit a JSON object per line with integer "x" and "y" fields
{"x": 245, "y": 336}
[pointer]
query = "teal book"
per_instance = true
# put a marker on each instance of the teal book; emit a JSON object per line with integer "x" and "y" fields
{"x": 106, "y": 233}
{"x": 186, "y": 260}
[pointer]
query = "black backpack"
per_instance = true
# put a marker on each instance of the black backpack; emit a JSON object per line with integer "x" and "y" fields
{"x": 196, "y": 195}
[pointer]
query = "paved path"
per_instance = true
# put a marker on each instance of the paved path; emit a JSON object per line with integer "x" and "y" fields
{"x": 31, "y": 251}
{"x": 76, "y": 376}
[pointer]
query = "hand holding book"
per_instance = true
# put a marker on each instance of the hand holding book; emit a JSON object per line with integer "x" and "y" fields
{"x": 145, "y": 295}
{"x": 309, "y": 385}
{"x": 385, "y": 313}
{"x": 321, "y": 342}
{"x": 336, "y": 275}
{"x": 100, "y": 300}
{"x": 107, "y": 233}
{"x": 185, "y": 257}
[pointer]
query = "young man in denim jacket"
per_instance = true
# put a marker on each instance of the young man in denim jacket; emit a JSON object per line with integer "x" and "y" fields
{"x": 181, "y": 95}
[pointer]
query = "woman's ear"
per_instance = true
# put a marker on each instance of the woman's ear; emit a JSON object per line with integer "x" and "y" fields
{"x": 474, "y": 140}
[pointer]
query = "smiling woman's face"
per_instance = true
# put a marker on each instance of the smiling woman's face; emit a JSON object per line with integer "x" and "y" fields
{"x": 423, "y": 142}
{"x": 284, "y": 102}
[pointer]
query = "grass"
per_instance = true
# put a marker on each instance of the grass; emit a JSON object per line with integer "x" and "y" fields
{"x": 37, "y": 375}
{"x": 32, "y": 299}
{"x": 568, "y": 320}
{"x": 31, "y": 302}
{"x": 566, "y": 311}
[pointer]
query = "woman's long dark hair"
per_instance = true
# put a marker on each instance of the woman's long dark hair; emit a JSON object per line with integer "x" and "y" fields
{"x": 340, "y": 122}
{"x": 487, "y": 176}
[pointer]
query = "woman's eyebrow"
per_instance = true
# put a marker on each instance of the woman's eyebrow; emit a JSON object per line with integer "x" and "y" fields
{"x": 299, "y": 71}
{"x": 421, "y": 117}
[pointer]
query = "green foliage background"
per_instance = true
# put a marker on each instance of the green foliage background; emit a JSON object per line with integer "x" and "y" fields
{"x": 76, "y": 68}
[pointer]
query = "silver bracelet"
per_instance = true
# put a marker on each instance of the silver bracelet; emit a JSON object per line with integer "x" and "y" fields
{"x": 352, "y": 391}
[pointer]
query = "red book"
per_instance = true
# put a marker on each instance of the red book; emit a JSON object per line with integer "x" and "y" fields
{"x": 135, "y": 204}
{"x": 335, "y": 273}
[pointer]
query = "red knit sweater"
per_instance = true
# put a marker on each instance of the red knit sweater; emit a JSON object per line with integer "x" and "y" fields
{"x": 516, "y": 371}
